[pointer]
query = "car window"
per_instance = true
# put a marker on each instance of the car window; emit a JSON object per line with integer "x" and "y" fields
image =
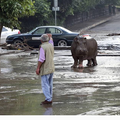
{"x": 53, "y": 31}
{"x": 66, "y": 30}
{"x": 4, "y": 29}
{"x": 39, "y": 31}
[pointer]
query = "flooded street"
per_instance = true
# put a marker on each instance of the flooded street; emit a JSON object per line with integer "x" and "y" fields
{"x": 87, "y": 91}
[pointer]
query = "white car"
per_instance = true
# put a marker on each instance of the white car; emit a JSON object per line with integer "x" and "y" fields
{"x": 6, "y": 32}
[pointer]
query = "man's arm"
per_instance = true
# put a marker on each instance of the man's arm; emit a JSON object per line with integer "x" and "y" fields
{"x": 38, "y": 68}
{"x": 50, "y": 39}
{"x": 40, "y": 61}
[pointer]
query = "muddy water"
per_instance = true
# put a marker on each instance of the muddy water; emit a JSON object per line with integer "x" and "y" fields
{"x": 88, "y": 91}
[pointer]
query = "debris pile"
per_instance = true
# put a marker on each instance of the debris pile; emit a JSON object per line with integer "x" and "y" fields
{"x": 113, "y": 34}
{"x": 18, "y": 46}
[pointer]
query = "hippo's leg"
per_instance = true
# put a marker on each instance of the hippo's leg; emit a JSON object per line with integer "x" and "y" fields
{"x": 94, "y": 61}
{"x": 80, "y": 64}
{"x": 75, "y": 62}
{"x": 89, "y": 63}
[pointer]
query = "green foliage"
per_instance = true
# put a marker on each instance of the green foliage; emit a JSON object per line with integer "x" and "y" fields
{"x": 70, "y": 7}
{"x": 45, "y": 16}
{"x": 85, "y": 5}
{"x": 112, "y": 2}
{"x": 11, "y": 10}
{"x": 42, "y": 7}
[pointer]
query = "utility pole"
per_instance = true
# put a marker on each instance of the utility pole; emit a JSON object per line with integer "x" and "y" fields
{"x": 55, "y": 8}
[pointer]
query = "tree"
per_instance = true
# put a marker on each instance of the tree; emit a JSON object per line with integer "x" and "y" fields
{"x": 43, "y": 16}
{"x": 112, "y": 2}
{"x": 11, "y": 10}
{"x": 70, "y": 7}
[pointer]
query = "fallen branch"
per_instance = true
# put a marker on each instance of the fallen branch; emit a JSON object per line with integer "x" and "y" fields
{"x": 19, "y": 46}
{"x": 113, "y": 34}
{"x": 4, "y": 44}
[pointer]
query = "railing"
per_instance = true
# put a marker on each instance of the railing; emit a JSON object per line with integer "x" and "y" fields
{"x": 84, "y": 16}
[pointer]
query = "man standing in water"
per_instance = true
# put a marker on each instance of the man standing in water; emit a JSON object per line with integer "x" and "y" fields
{"x": 45, "y": 67}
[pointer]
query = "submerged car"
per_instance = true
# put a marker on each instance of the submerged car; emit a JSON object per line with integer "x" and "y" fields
{"x": 6, "y": 32}
{"x": 61, "y": 36}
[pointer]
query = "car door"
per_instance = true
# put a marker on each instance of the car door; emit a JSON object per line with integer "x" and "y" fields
{"x": 56, "y": 34}
{"x": 35, "y": 41}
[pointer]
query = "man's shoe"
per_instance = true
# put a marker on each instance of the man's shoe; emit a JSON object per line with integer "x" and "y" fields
{"x": 46, "y": 102}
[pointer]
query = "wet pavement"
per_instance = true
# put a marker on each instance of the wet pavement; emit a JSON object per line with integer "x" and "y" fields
{"x": 87, "y": 91}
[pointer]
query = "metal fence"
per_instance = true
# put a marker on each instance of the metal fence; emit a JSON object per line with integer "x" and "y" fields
{"x": 84, "y": 16}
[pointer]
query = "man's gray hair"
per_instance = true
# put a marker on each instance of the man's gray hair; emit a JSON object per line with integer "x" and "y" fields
{"x": 44, "y": 38}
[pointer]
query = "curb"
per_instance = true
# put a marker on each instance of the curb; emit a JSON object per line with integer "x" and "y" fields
{"x": 96, "y": 24}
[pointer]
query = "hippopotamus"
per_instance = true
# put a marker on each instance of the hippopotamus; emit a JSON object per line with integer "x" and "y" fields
{"x": 84, "y": 49}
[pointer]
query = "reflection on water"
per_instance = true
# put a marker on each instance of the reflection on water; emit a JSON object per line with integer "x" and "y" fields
{"x": 84, "y": 70}
{"x": 6, "y": 70}
{"x": 48, "y": 110}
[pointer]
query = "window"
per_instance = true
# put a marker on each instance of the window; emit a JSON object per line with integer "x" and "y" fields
{"x": 4, "y": 29}
{"x": 40, "y": 31}
{"x": 53, "y": 31}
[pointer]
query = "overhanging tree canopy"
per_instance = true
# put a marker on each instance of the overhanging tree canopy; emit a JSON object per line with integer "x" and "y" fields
{"x": 11, "y": 10}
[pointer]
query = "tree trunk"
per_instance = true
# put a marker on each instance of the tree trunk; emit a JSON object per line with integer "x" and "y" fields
{"x": 1, "y": 26}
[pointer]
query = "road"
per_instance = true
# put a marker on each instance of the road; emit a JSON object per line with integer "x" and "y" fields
{"x": 88, "y": 91}
{"x": 111, "y": 26}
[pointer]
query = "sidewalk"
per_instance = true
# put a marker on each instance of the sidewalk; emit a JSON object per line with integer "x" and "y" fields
{"x": 82, "y": 27}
